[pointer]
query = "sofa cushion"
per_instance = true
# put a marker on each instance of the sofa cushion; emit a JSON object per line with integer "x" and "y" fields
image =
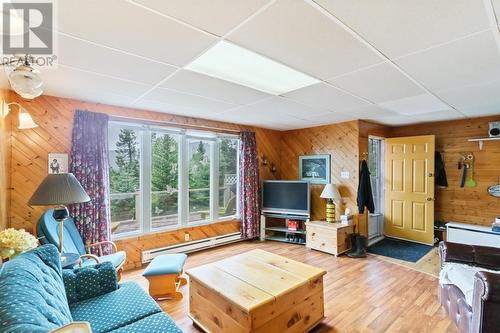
{"x": 91, "y": 281}
{"x": 157, "y": 323}
{"x": 127, "y": 304}
{"x": 32, "y": 295}
{"x": 166, "y": 264}
{"x": 462, "y": 276}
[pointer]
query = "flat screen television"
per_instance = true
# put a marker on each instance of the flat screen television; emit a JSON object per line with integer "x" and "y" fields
{"x": 286, "y": 197}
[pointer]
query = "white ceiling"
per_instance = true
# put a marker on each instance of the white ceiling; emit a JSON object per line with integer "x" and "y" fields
{"x": 390, "y": 61}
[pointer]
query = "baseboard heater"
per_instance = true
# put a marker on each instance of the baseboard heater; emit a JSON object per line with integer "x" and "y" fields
{"x": 192, "y": 246}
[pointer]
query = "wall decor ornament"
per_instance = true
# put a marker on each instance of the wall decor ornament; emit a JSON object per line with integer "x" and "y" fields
{"x": 315, "y": 168}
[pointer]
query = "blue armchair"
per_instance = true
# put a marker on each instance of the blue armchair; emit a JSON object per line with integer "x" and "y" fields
{"x": 47, "y": 229}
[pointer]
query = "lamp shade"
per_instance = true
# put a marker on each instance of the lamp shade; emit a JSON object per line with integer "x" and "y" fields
{"x": 331, "y": 192}
{"x": 25, "y": 120}
{"x": 59, "y": 189}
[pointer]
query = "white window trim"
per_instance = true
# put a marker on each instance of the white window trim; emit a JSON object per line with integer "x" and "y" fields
{"x": 144, "y": 214}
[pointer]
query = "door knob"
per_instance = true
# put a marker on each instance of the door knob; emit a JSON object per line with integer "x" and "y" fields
{"x": 429, "y": 199}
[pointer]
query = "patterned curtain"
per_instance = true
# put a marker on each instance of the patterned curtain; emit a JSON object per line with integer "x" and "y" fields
{"x": 89, "y": 164}
{"x": 249, "y": 186}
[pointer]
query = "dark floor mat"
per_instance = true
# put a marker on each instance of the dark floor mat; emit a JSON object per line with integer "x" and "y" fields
{"x": 400, "y": 249}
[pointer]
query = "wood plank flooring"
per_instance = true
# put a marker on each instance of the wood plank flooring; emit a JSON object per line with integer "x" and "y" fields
{"x": 361, "y": 295}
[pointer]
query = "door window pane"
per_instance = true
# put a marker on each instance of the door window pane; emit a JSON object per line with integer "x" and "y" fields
{"x": 228, "y": 176}
{"x": 199, "y": 179}
{"x": 374, "y": 166}
{"x": 164, "y": 180}
{"x": 124, "y": 175}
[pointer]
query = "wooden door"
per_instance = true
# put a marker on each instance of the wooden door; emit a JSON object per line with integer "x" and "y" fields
{"x": 409, "y": 188}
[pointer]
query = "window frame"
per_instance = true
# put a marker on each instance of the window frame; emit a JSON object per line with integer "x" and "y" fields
{"x": 145, "y": 215}
{"x": 379, "y": 209}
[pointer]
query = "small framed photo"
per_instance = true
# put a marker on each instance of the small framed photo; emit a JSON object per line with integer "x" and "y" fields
{"x": 315, "y": 168}
{"x": 58, "y": 163}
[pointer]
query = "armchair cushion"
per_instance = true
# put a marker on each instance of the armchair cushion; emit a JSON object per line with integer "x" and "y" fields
{"x": 87, "y": 282}
{"x": 48, "y": 229}
{"x": 128, "y": 304}
{"x": 116, "y": 259}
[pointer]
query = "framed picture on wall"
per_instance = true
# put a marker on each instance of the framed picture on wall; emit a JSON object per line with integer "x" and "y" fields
{"x": 315, "y": 168}
{"x": 58, "y": 163}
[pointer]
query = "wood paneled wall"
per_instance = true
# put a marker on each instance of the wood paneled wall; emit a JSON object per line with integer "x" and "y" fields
{"x": 54, "y": 116}
{"x": 5, "y": 149}
{"x": 469, "y": 205}
{"x": 338, "y": 140}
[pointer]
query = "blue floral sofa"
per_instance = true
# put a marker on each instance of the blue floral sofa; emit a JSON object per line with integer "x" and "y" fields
{"x": 36, "y": 295}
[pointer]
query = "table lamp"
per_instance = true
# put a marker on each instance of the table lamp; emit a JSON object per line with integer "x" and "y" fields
{"x": 331, "y": 192}
{"x": 59, "y": 189}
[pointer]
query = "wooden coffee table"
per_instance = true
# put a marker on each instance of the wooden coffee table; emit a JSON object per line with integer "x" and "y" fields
{"x": 256, "y": 291}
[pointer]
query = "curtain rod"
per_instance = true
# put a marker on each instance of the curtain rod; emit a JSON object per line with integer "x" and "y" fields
{"x": 176, "y": 124}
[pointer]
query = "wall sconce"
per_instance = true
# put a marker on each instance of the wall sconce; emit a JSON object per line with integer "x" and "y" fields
{"x": 264, "y": 160}
{"x": 25, "y": 120}
{"x": 273, "y": 168}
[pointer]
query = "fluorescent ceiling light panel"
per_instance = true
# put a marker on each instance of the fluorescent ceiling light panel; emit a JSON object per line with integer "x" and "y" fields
{"x": 232, "y": 63}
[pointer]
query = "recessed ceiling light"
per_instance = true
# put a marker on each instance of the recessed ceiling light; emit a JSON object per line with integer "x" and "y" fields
{"x": 233, "y": 63}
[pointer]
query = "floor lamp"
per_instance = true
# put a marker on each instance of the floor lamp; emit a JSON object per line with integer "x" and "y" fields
{"x": 60, "y": 190}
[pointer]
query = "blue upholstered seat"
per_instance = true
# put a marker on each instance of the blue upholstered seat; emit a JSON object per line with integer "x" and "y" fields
{"x": 37, "y": 296}
{"x": 47, "y": 229}
{"x": 166, "y": 264}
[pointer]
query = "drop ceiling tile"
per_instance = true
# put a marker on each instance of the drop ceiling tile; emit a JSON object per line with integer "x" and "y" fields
{"x": 325, "y": 96}
{"x": 215, "y": 16}
{"x": 394, "y": 120}
{"x": 475, "y": 100}
{"x": 182, "y": 101}
{"x": 424, "y": 103}
{"x": 439, "y": 116}
{"x": 467, "y": 61}
{"x": 182, "y": 110}
{"x": 80, "y": 54}
{"x": 399, "y": 27}
{"x": 66, "y": 82}
{"x": 278, "y": 107}
{"x": 378, "y": 83}
{"x": 261, "y": 117}
{"x": 330, "y": 118}
{"x": 125, "y": 26}
{"x": 299, "y": 36}
{"x": 370, "y": 111}
{"x": 203, "y": 85}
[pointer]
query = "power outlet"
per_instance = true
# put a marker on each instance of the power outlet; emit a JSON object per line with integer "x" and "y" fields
{"x": 344, "y": 174}
{"x": 186, "y": 237}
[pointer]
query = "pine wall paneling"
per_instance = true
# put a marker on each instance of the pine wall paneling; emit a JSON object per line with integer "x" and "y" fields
{"x": 5, "y": 152}
{"x": 55, "y": 118}
{"x": 468, "y": 205}
{"x": 338, "y": 140}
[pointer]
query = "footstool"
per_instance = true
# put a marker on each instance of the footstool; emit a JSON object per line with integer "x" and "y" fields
{"x": 164, "y": 275}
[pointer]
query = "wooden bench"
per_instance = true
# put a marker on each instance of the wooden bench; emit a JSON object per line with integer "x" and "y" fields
{"x": 164, "y": 274}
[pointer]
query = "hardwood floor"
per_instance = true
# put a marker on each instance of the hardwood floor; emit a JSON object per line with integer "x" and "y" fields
{"x": 361, "y": 295}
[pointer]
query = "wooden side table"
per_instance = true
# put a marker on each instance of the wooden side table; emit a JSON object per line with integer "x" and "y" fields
{"x": 331, "y": 238}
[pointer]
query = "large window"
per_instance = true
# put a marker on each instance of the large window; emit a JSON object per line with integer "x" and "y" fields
{"x": 167, "y": 178}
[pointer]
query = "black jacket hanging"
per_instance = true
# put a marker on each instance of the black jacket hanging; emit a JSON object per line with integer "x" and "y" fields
{"x": 365, "y": 197}
{"x": 439, "y": 171}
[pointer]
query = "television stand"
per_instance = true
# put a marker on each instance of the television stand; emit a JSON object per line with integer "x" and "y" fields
{"x": 275, "y": 227}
